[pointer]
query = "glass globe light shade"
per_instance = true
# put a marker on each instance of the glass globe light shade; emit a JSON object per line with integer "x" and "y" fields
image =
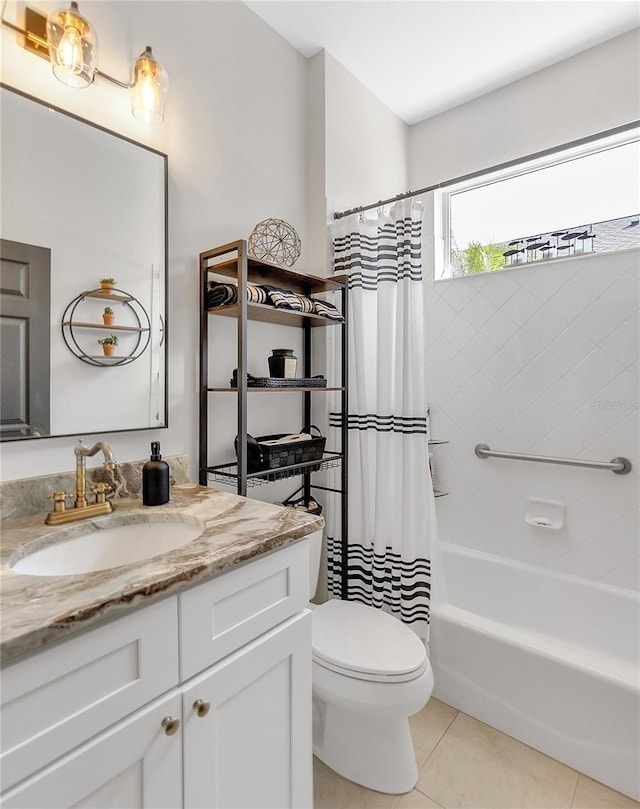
{"x": 149, "y": 88}
{"x": 73, "y": 47}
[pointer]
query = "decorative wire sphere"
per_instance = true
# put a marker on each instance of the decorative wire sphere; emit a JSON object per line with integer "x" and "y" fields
{"x": 275, "y": 240}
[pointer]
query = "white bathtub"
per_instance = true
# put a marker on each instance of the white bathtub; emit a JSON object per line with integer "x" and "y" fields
{"x": 549, "y": 659}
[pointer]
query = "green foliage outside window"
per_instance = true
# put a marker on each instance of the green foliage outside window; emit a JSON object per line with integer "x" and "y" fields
{"x": 477, "y": 258}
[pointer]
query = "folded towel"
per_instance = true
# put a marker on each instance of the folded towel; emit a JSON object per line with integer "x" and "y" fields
{"x": 221, "y": 294}
{"x": 225, "y": 294}
{"x": 286, "y": 439}
{"x": 284, "y": 299}
{"x": 325, "y": 309}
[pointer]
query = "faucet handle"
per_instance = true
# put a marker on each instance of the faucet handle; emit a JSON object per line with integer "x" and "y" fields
{"x": 100, "y": 490}
{"x": 59, "y": 500}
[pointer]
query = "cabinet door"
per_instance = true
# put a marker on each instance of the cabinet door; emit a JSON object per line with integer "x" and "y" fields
{"x": 135, "y": 764}
{"x": 253, "y": 747}
{"x": 61, "y": 697}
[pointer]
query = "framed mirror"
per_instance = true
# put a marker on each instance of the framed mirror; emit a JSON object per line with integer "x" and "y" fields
{"x": 79, "y": 204}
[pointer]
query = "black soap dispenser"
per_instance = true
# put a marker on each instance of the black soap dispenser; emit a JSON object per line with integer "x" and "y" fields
{"x": 155, "y": 478}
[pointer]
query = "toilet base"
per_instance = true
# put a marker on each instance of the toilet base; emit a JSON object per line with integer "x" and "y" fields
{"x": 374, "y": 751}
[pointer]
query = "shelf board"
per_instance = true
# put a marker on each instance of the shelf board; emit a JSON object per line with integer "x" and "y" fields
{"x": 434, "y": 442}
{"x": 438, "y": 493}
{"x": 269, "y": 314}
{"x": 256, "y": 389}
{"x": 227, "y": 472}
{"x": 106, "y": 296}
{"x": 102, "y": 326}
{"x": 264, "y": 272}
{"x": 104, "y": 360}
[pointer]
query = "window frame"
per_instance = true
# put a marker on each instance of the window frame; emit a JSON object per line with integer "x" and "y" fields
{"x": 526, "y": 165}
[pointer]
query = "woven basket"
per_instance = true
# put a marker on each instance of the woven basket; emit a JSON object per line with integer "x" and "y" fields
{"x": 262, "y": 456}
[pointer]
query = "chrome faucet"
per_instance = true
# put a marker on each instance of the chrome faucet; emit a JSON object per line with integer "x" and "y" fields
{"x": 81, "y": 507}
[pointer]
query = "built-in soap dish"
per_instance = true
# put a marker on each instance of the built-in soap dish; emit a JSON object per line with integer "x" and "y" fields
{"x": 545, "y": 513}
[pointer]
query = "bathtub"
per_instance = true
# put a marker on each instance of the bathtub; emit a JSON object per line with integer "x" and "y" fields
{"x": 550, "y": 659}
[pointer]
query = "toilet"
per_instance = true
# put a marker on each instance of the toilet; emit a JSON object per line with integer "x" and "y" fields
{"x": 370, "y": 672}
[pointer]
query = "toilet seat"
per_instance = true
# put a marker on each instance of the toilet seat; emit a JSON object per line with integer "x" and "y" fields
{"x": 365, "y": 643}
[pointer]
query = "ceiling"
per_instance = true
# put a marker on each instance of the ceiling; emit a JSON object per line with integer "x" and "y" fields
{"x": 421, "y": 57}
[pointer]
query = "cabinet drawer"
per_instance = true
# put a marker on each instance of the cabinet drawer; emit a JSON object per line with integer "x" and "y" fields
{"x": 229, "y": 611}
{"x": 58, "y": 698}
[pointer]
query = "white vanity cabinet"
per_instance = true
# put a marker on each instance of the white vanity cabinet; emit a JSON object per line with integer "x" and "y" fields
{"x": 202, "y": 699}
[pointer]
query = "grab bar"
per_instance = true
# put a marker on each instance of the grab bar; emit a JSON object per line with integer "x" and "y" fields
{"x": 619, "y": 466}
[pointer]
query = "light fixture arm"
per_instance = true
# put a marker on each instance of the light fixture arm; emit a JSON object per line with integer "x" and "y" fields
{"x": 29, "y": 35}
{"x": 103, "y": 75}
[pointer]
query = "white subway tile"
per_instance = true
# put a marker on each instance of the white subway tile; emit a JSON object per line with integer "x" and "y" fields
{"x": 546, "y": 369}
{"x": 571, "y": 346}
{"x": 597, "y": 322}
{"x": 499, "y": 288}
{"x": 499, "y": 328}
{"x": 598, "y": 368}
{"x": 478, "y": 311}
{"x": 500, "y": 370}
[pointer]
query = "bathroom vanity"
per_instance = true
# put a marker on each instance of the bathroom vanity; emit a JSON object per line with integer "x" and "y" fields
{"x": 183, "y": 680}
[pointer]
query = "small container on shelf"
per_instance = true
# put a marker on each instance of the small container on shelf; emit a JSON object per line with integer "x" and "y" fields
{"x": 107, "y": 283}
{"x": 282, "y": 363}
{"x": 283, "y": 450}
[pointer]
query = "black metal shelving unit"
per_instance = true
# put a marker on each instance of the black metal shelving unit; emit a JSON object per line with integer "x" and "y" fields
{"x": 231, "y": 261}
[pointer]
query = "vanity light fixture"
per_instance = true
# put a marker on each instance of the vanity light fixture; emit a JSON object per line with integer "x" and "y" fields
{"x": 70, "y": 43}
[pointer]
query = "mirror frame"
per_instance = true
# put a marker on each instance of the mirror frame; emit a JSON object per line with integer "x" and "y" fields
{"x": 164, "y": 314}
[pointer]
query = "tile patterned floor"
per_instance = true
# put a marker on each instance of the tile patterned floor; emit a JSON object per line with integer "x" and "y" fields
{"x": 465, "y": 764}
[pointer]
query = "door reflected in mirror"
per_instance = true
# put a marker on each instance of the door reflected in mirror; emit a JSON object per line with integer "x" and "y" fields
{"x": 79, "y": 204}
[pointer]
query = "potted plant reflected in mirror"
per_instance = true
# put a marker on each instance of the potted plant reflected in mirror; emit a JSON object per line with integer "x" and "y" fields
{"x": 107, "y": 283}
{"x": 108, "y": 316}
{"x": 109, "y": 345}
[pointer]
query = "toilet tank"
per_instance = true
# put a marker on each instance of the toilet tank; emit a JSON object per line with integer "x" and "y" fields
{"x": 315, "y": 555}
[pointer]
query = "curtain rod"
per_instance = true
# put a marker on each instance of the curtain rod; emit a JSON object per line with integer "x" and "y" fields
{"x": 499, "y": 167}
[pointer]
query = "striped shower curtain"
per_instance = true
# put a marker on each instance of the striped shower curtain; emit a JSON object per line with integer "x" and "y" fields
{"x": 392, "y": 523}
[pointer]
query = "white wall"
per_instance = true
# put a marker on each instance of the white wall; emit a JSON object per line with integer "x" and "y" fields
{"x": 539, "y": 359}
{"x": 366, "y": 143}
{"x": 357, "y": 149}
{"x": 236, "y": 141}
{"x": 580, "y": 96}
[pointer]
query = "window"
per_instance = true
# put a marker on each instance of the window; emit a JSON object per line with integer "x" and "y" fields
{"x": 580, "y": 201}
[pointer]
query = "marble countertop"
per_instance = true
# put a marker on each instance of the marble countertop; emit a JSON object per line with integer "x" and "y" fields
{"x": 39, "y": 610}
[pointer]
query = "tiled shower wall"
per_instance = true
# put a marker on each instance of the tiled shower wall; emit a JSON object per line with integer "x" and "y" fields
{"x": 543, "y": 360}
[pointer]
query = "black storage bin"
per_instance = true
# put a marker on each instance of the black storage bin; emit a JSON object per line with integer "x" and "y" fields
{"x": 262, "y": 456}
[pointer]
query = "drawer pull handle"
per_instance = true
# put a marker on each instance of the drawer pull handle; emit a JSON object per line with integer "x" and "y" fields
{"x": 170, "y": 725}
{"x": 202, "y": 707}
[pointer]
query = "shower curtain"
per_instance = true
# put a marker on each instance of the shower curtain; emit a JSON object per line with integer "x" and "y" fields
{"x": 392, "y": 523}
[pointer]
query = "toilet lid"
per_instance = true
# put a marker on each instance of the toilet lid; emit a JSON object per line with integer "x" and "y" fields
{"x": 351, "y": 637}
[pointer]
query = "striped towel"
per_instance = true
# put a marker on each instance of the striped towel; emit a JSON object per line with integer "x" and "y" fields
{"x": 226, "y": 294}
{"x": 325, "y": 309}
{"x": 284, "y": 299}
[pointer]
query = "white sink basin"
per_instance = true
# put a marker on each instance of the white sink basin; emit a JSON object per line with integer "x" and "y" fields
{"x": 105, "y": 548}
